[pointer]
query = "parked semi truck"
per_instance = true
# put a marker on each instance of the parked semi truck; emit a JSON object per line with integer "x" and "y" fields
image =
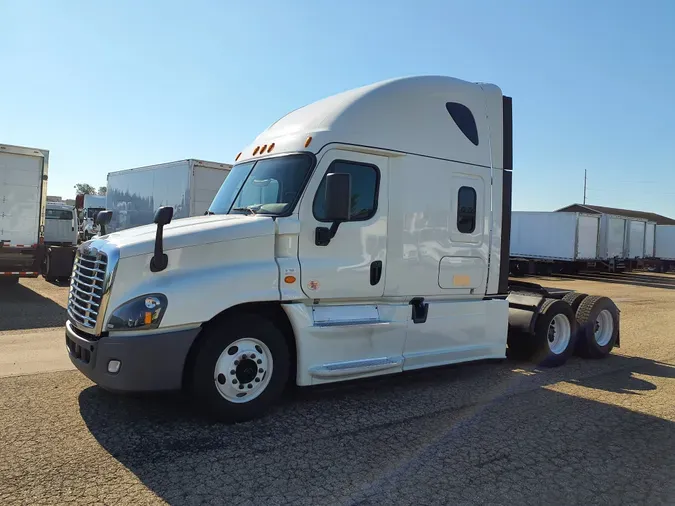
{"x": 91, "y": 206}
{"x": 60, "y": 240}
{"x": 188, "y": 186}
{"x": 23, "y": 198}
{"x": 361, "y": 235}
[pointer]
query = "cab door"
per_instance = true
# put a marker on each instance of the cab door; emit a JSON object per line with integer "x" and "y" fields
{"x": 352, "y": 264}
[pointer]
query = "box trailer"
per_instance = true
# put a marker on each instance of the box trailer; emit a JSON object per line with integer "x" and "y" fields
{"x": 188, "y": 186}
{"x": 650, "y": 238}
{"x": 553, "y": 241}
{"x": 361, "y": 235}
{"x": 665, "y": 242}
{"x": 612, "y": 240}
{"x": 635, "y": 239}
{"x": 23, "y": 198}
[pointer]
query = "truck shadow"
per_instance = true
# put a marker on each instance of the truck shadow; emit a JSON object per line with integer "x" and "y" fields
{"x": 485, "y": 425}
{"x": 23, "y": 308}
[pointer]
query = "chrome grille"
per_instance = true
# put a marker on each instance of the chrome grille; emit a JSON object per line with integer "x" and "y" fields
{"x": 86, "y": 288}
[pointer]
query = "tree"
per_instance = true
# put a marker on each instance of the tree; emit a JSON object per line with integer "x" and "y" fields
{"x": 102, "y": 190}
{"x": 84, "y": 189}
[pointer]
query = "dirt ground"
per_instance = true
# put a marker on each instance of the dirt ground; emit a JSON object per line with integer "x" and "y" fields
{"x": 589, "y": 432}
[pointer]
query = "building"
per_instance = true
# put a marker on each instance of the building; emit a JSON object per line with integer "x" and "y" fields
{"x": 627, "y": 213}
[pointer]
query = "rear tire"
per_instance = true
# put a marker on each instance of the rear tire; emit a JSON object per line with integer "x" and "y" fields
{"x": 47, "y": 268}
{"x": 598, "y": 319}
{"x": 574, "y": 299}
{"x": 241, "y": 368}
{"x": 555, "y": 333}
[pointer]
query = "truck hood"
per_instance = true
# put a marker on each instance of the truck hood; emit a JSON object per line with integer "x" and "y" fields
{"x": 186, "y": 232}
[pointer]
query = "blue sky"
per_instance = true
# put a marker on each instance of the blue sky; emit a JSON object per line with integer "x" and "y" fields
{"x": 113, "y": 85}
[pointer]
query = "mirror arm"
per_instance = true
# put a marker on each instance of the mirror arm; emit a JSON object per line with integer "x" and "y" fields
{"x": 323, "y": 235}
{"x": 160, "y": 260}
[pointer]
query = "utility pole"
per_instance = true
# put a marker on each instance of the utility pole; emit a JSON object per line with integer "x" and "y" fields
{"x": 584, "y": 186}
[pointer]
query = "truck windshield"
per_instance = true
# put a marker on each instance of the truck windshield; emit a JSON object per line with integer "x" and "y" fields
{"x": 58, "y": 214}
{"x": 270, "y": 186}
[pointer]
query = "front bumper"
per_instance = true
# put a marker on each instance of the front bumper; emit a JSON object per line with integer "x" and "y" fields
{"x": 148, "y": 363}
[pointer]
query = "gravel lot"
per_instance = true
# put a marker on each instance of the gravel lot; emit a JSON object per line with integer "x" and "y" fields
{"x": 33, "y": 304}
{"x": 590, "y": 432}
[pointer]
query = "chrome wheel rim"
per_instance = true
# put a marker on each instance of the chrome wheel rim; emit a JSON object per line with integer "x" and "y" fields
{"x": 243, "y": 370}
{"x": 604, "y": 328}
{"x": 559, "y": 334}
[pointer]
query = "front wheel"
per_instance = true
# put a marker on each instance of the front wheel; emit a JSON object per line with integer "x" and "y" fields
{"x": 241, "y": 368}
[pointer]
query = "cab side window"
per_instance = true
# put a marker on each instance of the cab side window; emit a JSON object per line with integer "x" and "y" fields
{"x": 466, "y": 210}
{"x": 365, "y": 188}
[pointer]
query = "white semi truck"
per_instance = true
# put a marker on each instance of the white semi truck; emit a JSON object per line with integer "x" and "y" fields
{"x": 23, "y": 199}
{"x": 364, "y": 234}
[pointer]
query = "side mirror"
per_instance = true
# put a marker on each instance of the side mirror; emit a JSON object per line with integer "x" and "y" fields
{"x": 163, "y": 215}
{"x": 338, "y": 197}
{"x": 338, "y": 206}
{"x": 160, "y": 260}
{"x": 102, "y": 219}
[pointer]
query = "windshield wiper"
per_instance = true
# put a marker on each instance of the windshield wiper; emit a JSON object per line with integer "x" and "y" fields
{"x": 245, "y": 209}
{"x": 208, "y": 213}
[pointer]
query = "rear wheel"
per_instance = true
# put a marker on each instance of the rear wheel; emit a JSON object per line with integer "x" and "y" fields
{"x": 47, "y": 268}
{"x": 555, "y": 333}
{"x": 241, "y": 368}
{"x": 574, "y": 299}
{"x": 598, "y": 319}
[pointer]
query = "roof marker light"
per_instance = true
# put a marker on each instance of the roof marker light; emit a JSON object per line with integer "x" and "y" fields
{"x": 263, "y": 149}
{"x": 237, "y": 156}
{"x": 269, "y": 150}
{"x": 255, "y": 151}
{"x": 308, "y": 141}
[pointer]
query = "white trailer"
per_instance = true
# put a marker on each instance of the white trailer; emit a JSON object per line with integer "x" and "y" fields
{"x": 554, "y": 235}
{"x": 635, "y": 238}
{"x": 665, "y": 242}
{"x": 547, "y": 242}
{"x": 612, "y": 241}
{"x": 23, "y": 197}
{"x": 189, "y": 186}
{"x": 361, "y": 235}
{"x": 650, "y": 238}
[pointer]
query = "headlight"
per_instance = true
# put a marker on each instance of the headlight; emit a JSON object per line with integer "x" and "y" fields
{"x": 141, "y": 313}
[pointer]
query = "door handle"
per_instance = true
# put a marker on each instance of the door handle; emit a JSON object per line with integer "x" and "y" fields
{"x": 375, "y": 272}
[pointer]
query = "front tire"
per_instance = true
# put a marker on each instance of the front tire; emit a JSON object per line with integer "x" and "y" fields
{"x": 241, "y": 368}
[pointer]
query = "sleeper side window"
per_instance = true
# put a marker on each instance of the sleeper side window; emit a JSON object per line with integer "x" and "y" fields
{"x": 365, "y": 188}
{"x": 466, "y": 210}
